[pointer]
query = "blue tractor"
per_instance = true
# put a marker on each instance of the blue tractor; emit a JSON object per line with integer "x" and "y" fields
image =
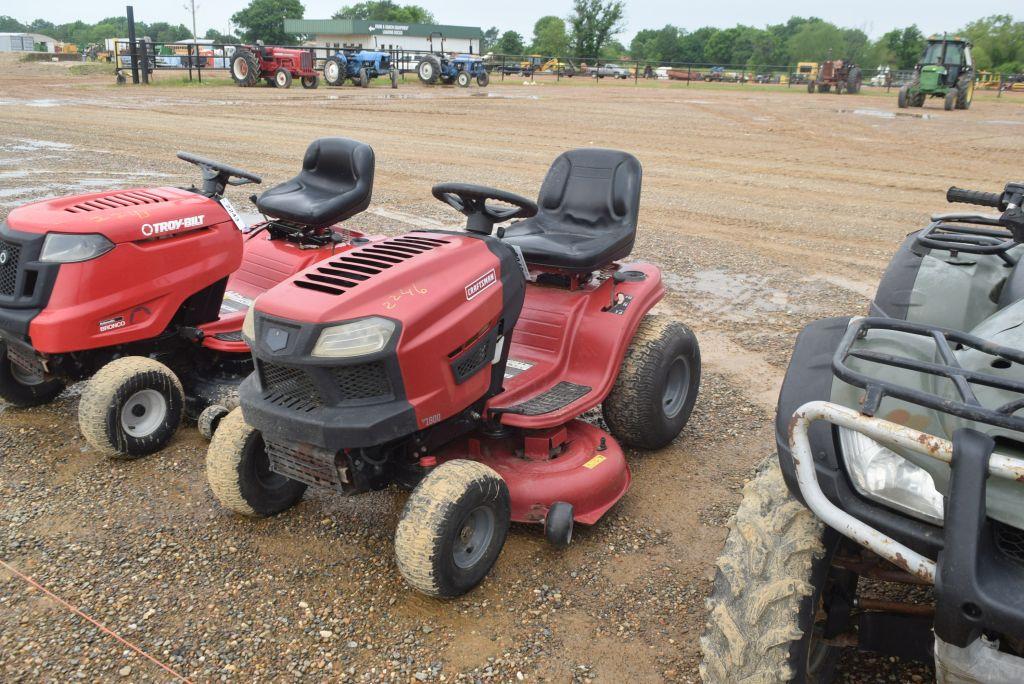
{"x": 461, "y": 70}
{"x": 359, "y": 67}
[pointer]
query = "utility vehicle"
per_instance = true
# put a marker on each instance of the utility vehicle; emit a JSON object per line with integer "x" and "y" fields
{"x": 143, "y": 291}
{"x": 946, "y": 70}
{"x": 275, "y": 65}
{"x": 893, "y": 519}
{"x": 460, "y": 69}
{"x": 458, "y": 364}
{"x": 359, "y": 66}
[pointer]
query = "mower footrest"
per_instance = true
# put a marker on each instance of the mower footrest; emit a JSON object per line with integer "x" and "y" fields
{"x": 557, "y": 397}
{"x": 304, "y": 463}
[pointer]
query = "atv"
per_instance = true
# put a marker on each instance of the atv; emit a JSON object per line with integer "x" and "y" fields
{"x": 143, "y": 292}
{"x": 275, "y": 65}
{"x": 458, "y": 365}
{"x": 946, "y": 70}
{"x": 359, "y": 67}
{"x": 900, "y": 464}
{"x": 461, "y": 69}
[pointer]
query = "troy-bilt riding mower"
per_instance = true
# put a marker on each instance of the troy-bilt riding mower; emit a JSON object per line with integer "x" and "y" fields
{"x": 946, "y": 70}
{"x": 901, "y": 463}
{"x": 359, "y": 67}
{"x": 461, "y": 69}
{"x": 838, "y": 74}
{"x": 458, "y": 364}
{"x": 145, "y": 291}
{"x": 275, "y": 65}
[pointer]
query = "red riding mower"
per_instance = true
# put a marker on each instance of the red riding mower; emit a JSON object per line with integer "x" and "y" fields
{"x": 146, "y": 290}
{"x": 457, "y": 364}
{"x": 276, "y": 65}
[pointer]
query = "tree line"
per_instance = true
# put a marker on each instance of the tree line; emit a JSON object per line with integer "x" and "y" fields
{"x": 591, "y": 31}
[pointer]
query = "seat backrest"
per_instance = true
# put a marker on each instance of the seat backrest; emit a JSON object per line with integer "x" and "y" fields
{"x": 592, "y": 189}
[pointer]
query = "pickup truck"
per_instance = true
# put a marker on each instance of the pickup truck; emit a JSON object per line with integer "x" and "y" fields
{"x": 612, "y": 70}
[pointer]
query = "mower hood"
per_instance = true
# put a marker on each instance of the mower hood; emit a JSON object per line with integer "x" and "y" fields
{"x": 121, "y": 215}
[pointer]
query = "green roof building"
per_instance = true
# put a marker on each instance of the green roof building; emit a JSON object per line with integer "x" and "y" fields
{"x": 387, "y": 35}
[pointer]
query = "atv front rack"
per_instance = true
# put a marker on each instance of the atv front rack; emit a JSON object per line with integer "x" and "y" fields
{"x": 970, "y": 234}
{"x": 964, "y": 380}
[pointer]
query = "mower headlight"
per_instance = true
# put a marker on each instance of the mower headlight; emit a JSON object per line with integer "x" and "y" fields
{"x": 249, "y": 324}
{"x": 63, "y": 248}
{"x": 884, "y": 476}
{"x": 357, "y": 338}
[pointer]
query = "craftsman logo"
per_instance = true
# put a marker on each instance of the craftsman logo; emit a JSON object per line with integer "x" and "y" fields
{"x": 480, "y": 284}
{"x": 4, "y": 257}
{"x": 151, "y": 229}
{"x": 112, "y": 323}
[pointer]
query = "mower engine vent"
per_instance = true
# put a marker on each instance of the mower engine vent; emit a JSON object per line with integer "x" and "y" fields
{"x": 132, "y": 198}
{"x": 346, "y": 271}
{"x": 363, "y": 381}
{"x": 291, "y": 388}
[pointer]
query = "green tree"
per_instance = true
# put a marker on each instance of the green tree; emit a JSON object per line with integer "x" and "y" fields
{"x": 264, "y": 20}
{"x": 490, "y": 38}
{"x": 816, "y": 41}
{"x": 903, "y": 46}
{"x": 385, "y": 10}
{"x": 549, "y": 37}
{"x": 11, "y": 25}
{"x": 657, "y": 45}
{"x": 220, "y": 38}
{"x": 510, "y": 43}
{"x": 998, "y": 43}
{"x": 593, "y": 23}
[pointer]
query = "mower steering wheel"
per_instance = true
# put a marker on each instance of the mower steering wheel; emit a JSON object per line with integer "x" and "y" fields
{"x": 218, "y": 174}
{"x": 471, "y": 200}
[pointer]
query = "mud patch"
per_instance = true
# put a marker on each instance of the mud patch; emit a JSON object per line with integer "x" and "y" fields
{"x": 738, "y": 297}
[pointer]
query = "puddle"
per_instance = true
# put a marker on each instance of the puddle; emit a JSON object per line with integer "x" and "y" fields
{"x": 499, "y": 96}
{"x": 1003, "y": 122}
{"x": 28, "y": 145}
{"x": 882, "y": 114}
{"x": 698, "y": 102}
{"x": 731, "y": 296}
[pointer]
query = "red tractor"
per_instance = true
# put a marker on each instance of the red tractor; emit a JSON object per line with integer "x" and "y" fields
{"x": 276, "y": 65}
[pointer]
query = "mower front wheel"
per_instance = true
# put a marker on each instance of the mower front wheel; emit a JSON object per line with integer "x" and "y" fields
{"x": 238, "y": 471}
{"x": 452, "y": 528}
{"x": 209, "y": 419}
{"x": 131, "y": 407}
{"x": 24, "y": 389}
{"x": 657, "y": 385}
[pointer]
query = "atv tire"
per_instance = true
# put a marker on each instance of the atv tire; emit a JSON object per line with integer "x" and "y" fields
{"x": 657, "y": 385}
{"x": 452, "y": 528}
{"x": 209, "y": 420}
{"x": 131, "y": 407}
{"x": 484, "y": 78}
{"x": 245, "y": 69}
{"x": 965, "y": 93}
{"x": 429, "y": 69}
{"x": 903, "y": 97}
{"x": 310, "y": 82}
{"x": 334, "y": 71}
{"x": 767, "y": 591}
{"x": 24, "y": 390}
{"x": 238, "y": 471}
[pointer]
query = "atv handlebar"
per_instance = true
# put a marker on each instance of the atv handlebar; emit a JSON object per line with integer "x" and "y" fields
{"x": 217, "y": 174}
{"x": 985, "y": 199}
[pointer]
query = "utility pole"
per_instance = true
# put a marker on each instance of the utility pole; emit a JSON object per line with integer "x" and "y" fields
{"x": 195, "y": 36}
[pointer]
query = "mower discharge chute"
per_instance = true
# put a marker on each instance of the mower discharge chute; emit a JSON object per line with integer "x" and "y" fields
{"x": 144, "y": 291}
{"x": 946, "y": 70}
{"x": 458, "y": 364}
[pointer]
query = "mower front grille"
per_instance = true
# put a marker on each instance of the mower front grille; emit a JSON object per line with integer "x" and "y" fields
{"x": 1010, "y": 540}
{"x": 291, "y": 388}
{"x": 9, "y": 267}
{"x": 348, "y": 270}
{"x": 304, "y": 463}
{"x": 131, "y": 198}
{"x": 364, "y": 381}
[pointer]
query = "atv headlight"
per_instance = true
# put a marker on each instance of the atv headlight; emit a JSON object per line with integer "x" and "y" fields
{"x": 63, "y": 248}
{"x": 884, "y": 476}
{"x": 249, "y": 324}
{"x": 357, "y": 338}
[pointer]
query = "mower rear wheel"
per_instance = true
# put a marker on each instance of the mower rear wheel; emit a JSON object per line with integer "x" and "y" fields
{"x": 131, "y": 407}
{"x": 949, "y": 102}
{"x": 310, "y": 82}
{"x": 558, "y": 524}
{"x": 23, "y": 389}
{"x": 209, "y": 419}
{"x": 238, "y": 471}
{"x": 463, "y": 79}
{"x": 283, "y": 78}
{"x": 483, "y": 78}
{"x": 334, "y": 71}
{"x": 452, "y": 528}
{"x": 245, "y": 68}
{"x": 657, "y": 385}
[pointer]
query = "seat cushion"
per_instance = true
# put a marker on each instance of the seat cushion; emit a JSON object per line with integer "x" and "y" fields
{"x": 336, "y": 182}
{"x": 588, "y": 208}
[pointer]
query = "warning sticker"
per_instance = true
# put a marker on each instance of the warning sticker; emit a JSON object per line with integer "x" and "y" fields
{"x": 515, "y": 367}
{"x": 594, "y": 462}
{"x": 234, "y": 302}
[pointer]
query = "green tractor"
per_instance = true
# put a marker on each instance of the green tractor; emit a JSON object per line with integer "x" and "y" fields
{"x": 946, "y": 70}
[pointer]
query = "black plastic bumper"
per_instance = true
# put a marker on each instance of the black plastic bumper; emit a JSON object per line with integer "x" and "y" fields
{"x": 25, "y": 282}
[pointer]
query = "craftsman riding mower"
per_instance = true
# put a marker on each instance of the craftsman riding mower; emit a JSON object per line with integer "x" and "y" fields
{"x": 359, "y": 67}
{"x": 144, "y": 291}
{"x": 900, "y": 463}
{"x": 458, "y": 365}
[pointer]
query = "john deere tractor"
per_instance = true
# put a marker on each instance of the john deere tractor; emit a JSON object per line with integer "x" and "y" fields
{"x": 946, "y": 70}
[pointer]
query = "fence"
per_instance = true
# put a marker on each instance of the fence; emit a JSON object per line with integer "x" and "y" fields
{"x": 197, "y": 58}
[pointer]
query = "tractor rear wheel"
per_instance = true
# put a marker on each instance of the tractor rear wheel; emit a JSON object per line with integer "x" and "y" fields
{"x": 131, "y": 407}
{"x": 810, "y": 86}
{"x": 657, "y": 385}
{"x": 245, "y": 68}
{"x": 364, "y": 78}
{"x": 25, "y": 389}
{"x": 463, "y": 79}
{"x": 429, "y": 69}
{"x": 282, "y": 78}
{"x": 310, "y": 82}
{"x": 334, "y": 71}
{"x": 238, "y": 471}
{"x": 483, "y": 78}
{"x": 965, "y": 93}
{"x": 903, "y": 97}
{"x": 853, "y": 81}
{"x": 452, "y": 528}
{"x": 949, "y": 102}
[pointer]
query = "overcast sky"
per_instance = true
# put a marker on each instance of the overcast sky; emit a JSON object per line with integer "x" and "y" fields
{"x": 873, "y": 16}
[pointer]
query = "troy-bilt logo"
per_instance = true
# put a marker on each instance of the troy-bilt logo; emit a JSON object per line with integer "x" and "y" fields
{"x": 151, "y": 229}
{"x": 480, "y": 284}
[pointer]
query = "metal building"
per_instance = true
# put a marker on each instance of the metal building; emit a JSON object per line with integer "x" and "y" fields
{"x": 387, "y": 35}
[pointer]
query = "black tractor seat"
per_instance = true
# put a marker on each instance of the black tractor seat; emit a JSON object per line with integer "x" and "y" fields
{"x": 335, "y": 183}
{"x": 588, "y": 207}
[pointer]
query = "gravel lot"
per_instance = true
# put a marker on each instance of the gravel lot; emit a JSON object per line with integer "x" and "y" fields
{"x": 766, "y": 209}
